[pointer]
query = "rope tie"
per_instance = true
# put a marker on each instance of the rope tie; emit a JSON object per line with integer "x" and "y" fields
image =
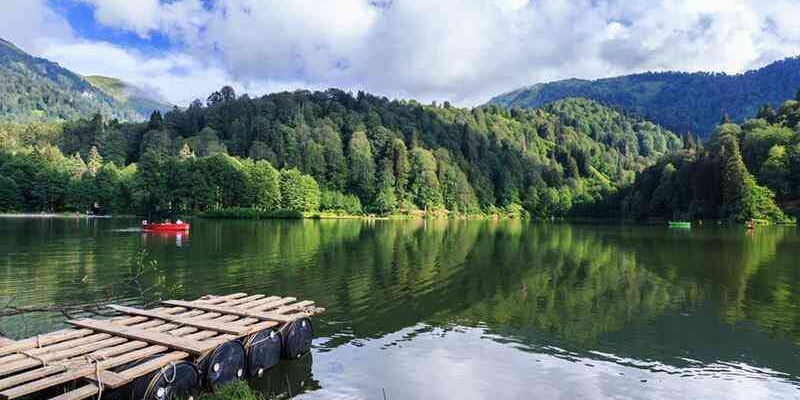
{"x": 41, "y": 359}
{"x": 174, "y": 372}
{"x": 92, "y": 358}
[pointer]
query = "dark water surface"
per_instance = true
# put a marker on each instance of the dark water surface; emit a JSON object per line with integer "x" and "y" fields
{"x": 465, "y": 310}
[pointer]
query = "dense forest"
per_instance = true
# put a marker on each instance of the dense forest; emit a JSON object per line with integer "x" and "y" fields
{"x": 737, "y": 175}
{"x": 33, "y": 88}
{"x": 332, "y": 150}
{"x": 682, "y": 102}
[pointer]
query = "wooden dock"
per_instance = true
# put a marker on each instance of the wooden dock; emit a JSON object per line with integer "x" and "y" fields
{"x": 89, "y": 356}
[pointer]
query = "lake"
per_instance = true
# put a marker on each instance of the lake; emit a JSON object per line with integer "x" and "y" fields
{"x": 462, "y": 309}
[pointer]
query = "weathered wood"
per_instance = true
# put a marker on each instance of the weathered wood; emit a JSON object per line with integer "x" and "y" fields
{"x": 79, "y": 393}
{"x": 196, "y": 323}
{"x": 152, "y": 365}
{"x": 59, "y": 355}
{"x": 68, "y": 376}
{"x": 230, "y": 310}
{"x": 15, "y": 380}
{"x": 5, "y": 342}
{"x": 44, "y": 340}
{"x": 143, "y": 335}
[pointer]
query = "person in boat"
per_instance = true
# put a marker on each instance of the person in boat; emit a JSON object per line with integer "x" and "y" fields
{"x": 178, "y": 222}
{"x": 144, "y": 222}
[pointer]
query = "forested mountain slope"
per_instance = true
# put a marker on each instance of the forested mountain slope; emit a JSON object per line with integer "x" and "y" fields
{"x": 34, "y": 88}
{"x": 392, "y": 155}
{"x": 682, "y": 102}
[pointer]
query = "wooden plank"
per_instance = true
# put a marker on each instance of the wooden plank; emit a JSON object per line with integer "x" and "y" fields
{"x": 218, "y": 299}
{"x": 273, "y": 304}
{"x": 152, "y": 365}
{"x": 144, "y": 335}
{"x": 88, "y": 370}
{"x": 79, "y": 393}
{"x": 59, "y": 355}
{"x": 39, "y": 373}
{"x": 197, "y": 323}
{"x": 44, "y": 340}
{"x": 230, "y": 310}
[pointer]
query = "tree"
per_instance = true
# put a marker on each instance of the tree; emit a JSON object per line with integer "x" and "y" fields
{"x": 95, "y": 161}
{"x": 310, "y": 192}
{"x": 291, "y": 185}
{"x": 423, "y": 181}
{"x": 265, "y": 186}
{"x": 10, "y": 195}
{"x": 362, "y": 167}
{"x": 385, "y": 200}
{"x": 150, "y": 189}
{"x": 400, "y": 165}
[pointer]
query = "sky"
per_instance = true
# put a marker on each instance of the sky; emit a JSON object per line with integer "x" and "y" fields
{"x": 464, "y": 51}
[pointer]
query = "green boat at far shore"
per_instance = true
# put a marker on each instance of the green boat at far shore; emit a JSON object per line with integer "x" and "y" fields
{"x": 680, "y": 224}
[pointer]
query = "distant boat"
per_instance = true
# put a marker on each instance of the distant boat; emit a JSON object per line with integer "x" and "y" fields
{"x": 165, "y": 226}
{"x": 680, "y": 224}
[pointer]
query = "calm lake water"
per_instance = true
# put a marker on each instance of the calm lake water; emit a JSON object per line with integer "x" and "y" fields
{"x": 465, "y": 310}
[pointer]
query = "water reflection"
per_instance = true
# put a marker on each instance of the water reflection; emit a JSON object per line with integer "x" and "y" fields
{"x": 703, "y": 305}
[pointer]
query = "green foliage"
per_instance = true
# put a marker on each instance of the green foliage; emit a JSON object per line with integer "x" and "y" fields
{"x": 338, "y": 202}
{"x": 265, "y": 185}
{"x": 10, "y": 196}
{"x": 423, "y": 182}
{"x": 298, "y": 192}
{"x": 393, "y": 156}
{"x": 717, "y": 183}
{"x": 682, "y": 102}
{"x": 250, "y": 213}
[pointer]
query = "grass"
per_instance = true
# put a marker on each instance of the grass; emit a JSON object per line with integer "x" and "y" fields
{"x": 238, "y": 390}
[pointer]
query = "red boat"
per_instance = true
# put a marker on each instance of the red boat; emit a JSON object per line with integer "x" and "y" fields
{"x": 178, "y": 226}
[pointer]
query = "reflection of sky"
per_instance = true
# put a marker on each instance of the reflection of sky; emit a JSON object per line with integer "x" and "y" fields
{"x": 464, "y": 364}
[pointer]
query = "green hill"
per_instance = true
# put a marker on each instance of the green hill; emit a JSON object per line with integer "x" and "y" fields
{"x": 33, "y": 88}
{"x": 681, "y": 102}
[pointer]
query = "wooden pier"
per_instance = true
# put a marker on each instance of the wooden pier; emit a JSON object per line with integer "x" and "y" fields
{"x": 103, "y": 355}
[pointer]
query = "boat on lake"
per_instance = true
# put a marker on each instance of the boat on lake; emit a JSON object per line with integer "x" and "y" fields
{"x": 680, "y": 224}
{"x": 168, "y": 226}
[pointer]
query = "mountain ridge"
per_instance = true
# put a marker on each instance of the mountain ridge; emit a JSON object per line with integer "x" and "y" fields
{"x": 35, "y": 88}
{"x": 684, "y": 102}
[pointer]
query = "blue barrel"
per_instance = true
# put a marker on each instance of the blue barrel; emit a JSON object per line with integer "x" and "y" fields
{"x": 297, "y": 338}
{"x": 223, "y": 365}
{"x": 263, "y": 351}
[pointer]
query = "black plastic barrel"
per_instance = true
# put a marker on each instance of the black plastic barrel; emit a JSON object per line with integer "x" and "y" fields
{"x": 223, "y": 365}
{"x": 297, "y": 338}
{"x": 175, "y": 381}
{"x": 263, "y": 351}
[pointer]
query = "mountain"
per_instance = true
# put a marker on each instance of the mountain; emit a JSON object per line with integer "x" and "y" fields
{"x": 682, "y": 102}
{"x": 33, "y": 88}
{"x": 139, "y": 99}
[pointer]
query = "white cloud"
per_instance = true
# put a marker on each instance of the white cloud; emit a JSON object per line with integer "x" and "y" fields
{"x": 29, "y": 24}
{"x": 464, "y": 51}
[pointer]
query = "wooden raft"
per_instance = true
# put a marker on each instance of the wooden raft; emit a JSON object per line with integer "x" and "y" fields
{"x": 88, "y": 352}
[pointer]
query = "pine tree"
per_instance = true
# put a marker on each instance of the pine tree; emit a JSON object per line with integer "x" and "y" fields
{"x": 95, "y": 161}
